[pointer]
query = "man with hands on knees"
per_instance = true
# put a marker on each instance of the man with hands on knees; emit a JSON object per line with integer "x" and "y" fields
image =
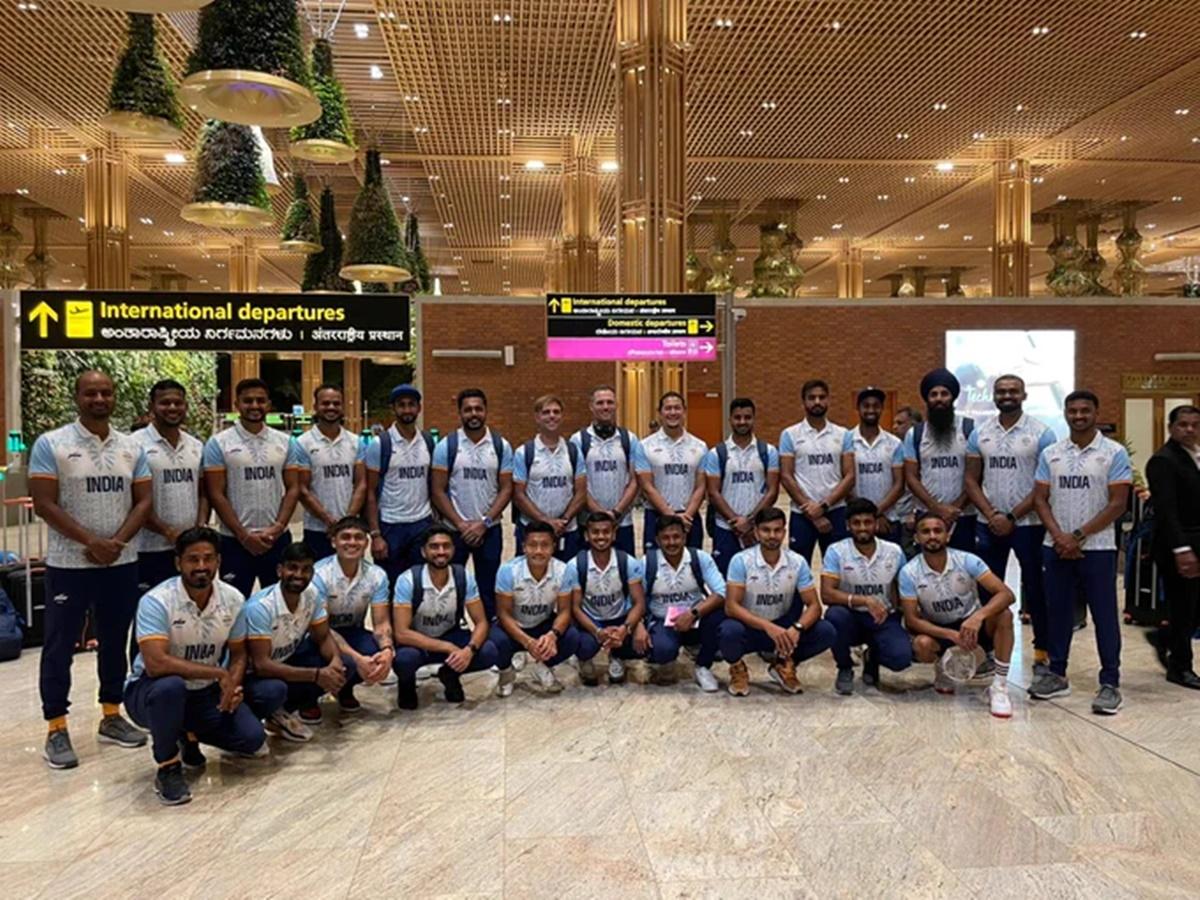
{"x": 293, "y": 655}
{"x": 939, "y": 593}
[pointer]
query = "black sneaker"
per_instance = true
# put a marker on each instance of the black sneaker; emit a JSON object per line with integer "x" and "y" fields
{"x": 347, "y": 702}
{"x": 453, "y": 685}
{"x": 870, "y": 672}
{"x": 406, "y": 694}
{"x": 170, "y": 786}
{"x": 189, "y": 753}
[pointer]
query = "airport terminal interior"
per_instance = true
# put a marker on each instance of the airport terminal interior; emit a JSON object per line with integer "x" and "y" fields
{"x": 659, "y": 205}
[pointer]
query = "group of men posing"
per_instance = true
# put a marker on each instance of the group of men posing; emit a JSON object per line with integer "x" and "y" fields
{"x": 379, "y": 586}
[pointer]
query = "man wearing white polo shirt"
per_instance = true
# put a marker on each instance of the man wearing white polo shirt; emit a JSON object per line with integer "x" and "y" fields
{"x": 669, "y": 472}
{"x": 743, "y": 478}
{"x": 550, "y": 481}
{"x": 816, "y": 472}
{"x": 608, "y": 453}
{"x": 1002, "y": 456}
{"x": 333, "y": 481}
{"x": 1082, "y": 488}
{"x": 935, "y": 458}
{"x": 878, "y": 463}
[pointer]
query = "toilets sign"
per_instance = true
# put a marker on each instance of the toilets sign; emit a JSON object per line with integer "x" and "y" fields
{"x": 631, "y": 327}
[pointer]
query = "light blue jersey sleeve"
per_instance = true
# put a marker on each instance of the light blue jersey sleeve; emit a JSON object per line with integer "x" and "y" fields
{"x": 974, "y": 565}
{"x": 402, "y": 596}
{"x": 831, "y": 561}
{"x": 520, "y": 472}
{"x": 898, "y": 456}
{"x": 848, "y": 441}
{"x": 293, "y": 455}
{"x": 804, "y": 577}
{"x": 1121, "y": 470}
{"x": 302, "y": 459}
{"x": 906, "y": 585}
{"x": 973, "y": 443}
{"x": 504, "y": 578}
{"x": 713, "y": 579}
{"x": 41, "y": 459}
{"x": 238, "y": 631}
{"x": 635, "y": 571}
{"x": 570, "y": 577}
{"x": 1042, "y": 473}
{"x": 372, "y": 455}
{"x": 786, "y": 446}
{"x": 772, "y": 459}
{"x": 472, "y": 589}
{"x": 1046, "y": 439}
{"x": 580, "y": 465}
{"x": 710, "y": 464}
{"x": 319, "y": 585}
{"x": 152, "y": 618}
{"x": 641, "y": 462}
{"x": 214, "y": 457}
{"x": 360, "y": 455}
{"x": 910, "y": 448}
{"x": 258, "y": 619}
{"x": 379, "y": 596}
{"x": 141, "y": 468}
{"x": 320, "y": 613}
{"x": 441, "y": 455}
{"x": 737, "y": 571}
{"x": 506, "y": 461}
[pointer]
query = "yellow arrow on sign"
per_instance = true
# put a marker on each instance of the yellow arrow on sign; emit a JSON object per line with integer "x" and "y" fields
{"x": 709, "y": 327}
{"x": 553, "y": 304}
{"x": 42, "y": 314}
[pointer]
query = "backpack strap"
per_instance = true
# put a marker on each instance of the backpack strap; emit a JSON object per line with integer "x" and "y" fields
{"x": 626, "y": 444}
{"x": 385, "y": 459}
{"x": 418, "y": 582}
{"x": 697, "y": 573}
{"x": 623, "y": 569}
{"x": 498, "y": 446}
{"x": 764, "y": 454}
{"x": 651, "y": 570}
{"x": 722, "y": 461}
{"x": 451, "y": 453}
{"x": 581, "y": 567}
{"x": 585, "y": 442}
{"x": 530, "y": 451}
{"x": 429, "y": 445}
{"x": 573, "y": 455}
{"x": 918, "y": 433}
{"x": 968, "y": 425}
{"x": 459, "y": 573}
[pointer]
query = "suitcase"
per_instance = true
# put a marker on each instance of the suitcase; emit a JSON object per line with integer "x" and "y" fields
{"x": 1144, "y": 602}
{"x": 28, "y": 594}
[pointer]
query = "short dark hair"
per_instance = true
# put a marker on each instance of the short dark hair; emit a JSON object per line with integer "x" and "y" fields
{"x": 297, "y": 552}
{"x": 167, "y": 384}
{"x": 668, "y": 395}
{"x": 929, "y": 514}
{"x": 596, "y": 518}
{"x": 770, "y": 514}
{"x": 468, "y": 393}
{"x": 602, "y": 387}
{"x": 249, "y": 384}
{"x": 811, "y": 384}
{"x": 437, "y": 529}
{"x": 741, "y": 403}
{"x": 327, "y": 386}
{"x": 198, "y": 534}
{"x": 538, "y": 528}
{"x": 1082, "y": 395}
{"x": 1178, "y": 411}
{"x": 346, "y": 523}
{"x": 665, "y": 522}
{"x": 1009, "y": 376}
{"x": 861, "y": 506}
{"x": 914, "y": 414}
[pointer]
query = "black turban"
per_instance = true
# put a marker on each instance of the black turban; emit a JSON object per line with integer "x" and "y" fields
{"x": 940, "y": 378}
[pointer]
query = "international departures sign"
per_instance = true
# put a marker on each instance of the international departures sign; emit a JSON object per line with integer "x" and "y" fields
{"x": 631, "y": 327}
{"x": 173, "y": 320}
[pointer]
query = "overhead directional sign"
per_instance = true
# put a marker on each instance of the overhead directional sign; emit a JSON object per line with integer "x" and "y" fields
{"x": 631, "y": 327}
{"x": 172, "y": 320}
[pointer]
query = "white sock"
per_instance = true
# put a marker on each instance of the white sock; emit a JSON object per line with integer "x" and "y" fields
{"x": 1000, "y": 680}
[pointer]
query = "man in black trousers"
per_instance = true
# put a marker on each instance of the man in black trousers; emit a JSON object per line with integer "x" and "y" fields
{"x": 1174, "y": 476}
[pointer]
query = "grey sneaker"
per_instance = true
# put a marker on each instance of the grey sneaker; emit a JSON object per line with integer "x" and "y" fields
{"x": 115, "y": 730}
{"x": 987, "y": 668}
{"x": 1050, "y": 686}
{"x": 58, "y": 752}
{"x": 1107, "y": 702}
{"x": 845, "y": 682}
{"x": 1040, "y": 669}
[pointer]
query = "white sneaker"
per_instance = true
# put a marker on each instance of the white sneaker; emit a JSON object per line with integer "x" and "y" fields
{"x": 519, "y": 660}
{"x": 545, "y": 678}
{"x": 390, "y": 680}
{"x": 289, "y": 727}
{"x": 263, "y": 751}
{"x": 1000, "y": 702}
{"x": 616, "y": 670}
{"x": 504, "y": 687}
{"x": 707, "y": 680}
{"x": 941, "y": 681}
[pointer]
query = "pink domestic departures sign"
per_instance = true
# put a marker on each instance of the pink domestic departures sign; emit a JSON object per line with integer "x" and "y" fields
{"x": 631, "y": 327}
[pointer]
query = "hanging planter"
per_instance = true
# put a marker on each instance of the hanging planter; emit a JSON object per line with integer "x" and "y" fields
{"x": 229, "y": 189}
{"x": 151, "y": 6}
{"x": 330, "y": 139}
{"x": 374, "y": 252}
{"x": 321, "y": 270}
{"x": 416, "y": 256}
{"x": 300, "y": 228}
{"x": 141, "y": 103}
{"x": 249, "y": 67}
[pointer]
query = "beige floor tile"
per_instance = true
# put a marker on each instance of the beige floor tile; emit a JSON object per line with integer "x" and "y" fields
{"x": 566, "y": 800}
{"x": 449, "y": 770}
{"x": 1057, "y": 881}
{"x": 737, "y": 889}
{"x": 579, "y": 868}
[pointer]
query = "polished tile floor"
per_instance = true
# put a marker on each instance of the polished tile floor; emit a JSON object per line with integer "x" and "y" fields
{"x": 636, "y": 791}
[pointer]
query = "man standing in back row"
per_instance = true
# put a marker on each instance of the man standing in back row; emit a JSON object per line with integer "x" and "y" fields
{"x": 878, "y": 464}
{"x": 608, "y": 452}
{"x": 333, "y": 481}
{"x": 935, "y": 459}
{"x": 669, "y": 473}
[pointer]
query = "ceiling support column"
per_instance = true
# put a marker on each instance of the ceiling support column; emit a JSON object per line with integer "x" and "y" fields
{"x": 106, "y": 220}
{"x": 1012, "y": 197}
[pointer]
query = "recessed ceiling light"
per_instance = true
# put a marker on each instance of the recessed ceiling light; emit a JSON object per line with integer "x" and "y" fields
{"x": 504, "y": 101}
{"x": 882, "y": 197}
{"x": 835, "y": 25}
{"x": 1138, "y": 35}
{"x": 146, "y": 220}
{"x": 922, "y": 256}
{"x": 1061, "y": 197}
{"x": 1177, "y": 199}
{"x": 723, "y": 23}
{"x": 175, "y": 159}
{"x": 1038, "y": 179}
{"x": 941, "y": 107}
{"x": 877, "y": 257}
{"x": 168, "y": 234}
{"x": 376, "y": 72}
{"x": 696, "y": 198}
{"x": 822, "y": 196}
{"x": 902, "y": 135}
{"x": 746, "y": 133}
{"x": 1151, "y": 226}
{"x": 362, "y": 30}
{"x": 24, "y": 192}
{"x": 60, "y": 171}
{"x": 1020, "y": 107}
{"x": 421, "y": 129}
{"x": 404, "y": 199}
{"x": 945, "y": 166}
{"x": 411, "y": 98}
{"x": 506, "y": 196}
{"x": 920, "y": 237}
{"x": 818, "y": 237}
{"x": 837, "y": 226}
{"x": 769, "y": 104}
{"x": 843, "y": 179}
{"x": 535, "y": 165}
{"x": 28, "y": 7}
{"x": 610, "y": 165}
{"x": 502, "y": 18}
{"x": 943, "y": 226}
{"x": 910, "y": 179}
{"x": 506, "y": 225}
{"x": 710, "y": 179}
{"x": 979, "y": 136}
{"x": 1040, "y": 30}
{"x": 448, "y": 225}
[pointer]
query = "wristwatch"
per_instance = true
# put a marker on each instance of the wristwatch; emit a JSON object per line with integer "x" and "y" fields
{"x": 824, "y": 508}
{"x": 1010, "y": 517}
{"x": 376, "y": 533}
{"x": 799, "y": 628}
{"x": 488, "y": 521}
{"x": 473, "y": 649}
{"x": 1079, "y": 535}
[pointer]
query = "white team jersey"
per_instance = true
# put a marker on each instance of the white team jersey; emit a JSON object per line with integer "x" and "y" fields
{"x": 194, "y": 635}
{"x": 943, "y": 466}
{"x": 873, "y": 466}
{"x": 677, "y": 586}
{"x": 405, "y": 495}
{"x": 254, "y": 465}
{"x": 267, "y": 616}
{"x": 770, "y": 590}
{"x": 745, "y": 478}
{"x": 608, "y": 468}
{"x": 550, "y": 481}
{"x": 818, "y": 456}
{"x": 1079, "y": 479}
{"x": 347, "y": 599}
{"x": 95, "y": 486}
{"x": 437, "y": 612}
{"x": 331, "y": 464}
{"x": 673, "y": 463}
{"x": 175, "y": 474}
{"x": 604, "y": 597}
{"x": 871, "y": 576}
{"x": 1009, "y": 457}
{"x": 475, "y": 481}
{"x": 535, "y": 601}
{"x": 948, "y": 596}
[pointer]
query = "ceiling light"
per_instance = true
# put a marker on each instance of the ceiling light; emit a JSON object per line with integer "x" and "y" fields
{"x": 1124, "y": 138}
{"x": 822, "y": 196}
{"x": 362, "y": 30}
{"x": 710, "y": 179}
{"x": 1038, "y": 179}
{"x": 404, "y": 199}
{"x": 169, "y": 234}
{"x": 535, "y": 165}
{"x": 968, "y": 237}
{"x": 696, "y": 198}
{"x": 746, "y": 133}
{"x": 1020, "y": 107}
{"x": 941, "y": 107}
{"x": 175, "y": 159}
{"x": 882, "y": 197}
{"x": 835, "y": 25}
{"x": 24, "y": 192}
{"x": 1040, "y": 30}
{"x": 504, "y": 101}
{"x": 945, "y": 166}
{"x": 877, "y": 257}
{"x": 910, "y": 179}
{"x": 60, "y": 171}
{"x": 723, "y": 23}
{"x": 818, "y": 237}
{"x": 943, "y": 226}
{"x": 843, "y": 179}
{"x": 411, "y": 98}
{"x": 978, "y": 136}
{"x": 146, "y": 220}
{"x": 506, "y": 196}
{"x": 922, "y": 256}
{"x": 448, "y": 225}
{"x": 1177, "y": 199}
{"x": 458, "y": 259}
{"x": 1061, "y": 197}
{"x": 1138, "y": 35}
{"x": 1196, "y": 140}
{"x": 1151, "y": 226}
{"x": 385, "y": 162}
{"x": 769, "y": 104}
{"x": 837, "y": 226}
{"x": 506, "y": 225}
{"x": 376, "y": 72}
{"x": 502, "y": 18}
{"x": 919, "y": 237}
{"x": 610, "y": 165}
{"x": 902, "y": 135}
{"x": 28, "y": 7}
{"x": 421, "y": 129}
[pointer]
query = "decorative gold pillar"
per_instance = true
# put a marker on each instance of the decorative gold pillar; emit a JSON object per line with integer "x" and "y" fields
{"x": 311, "y": 375}
{"x": 1012, "y": 197}
{"x": 651, "y": 37}
{"x": 850, "y": 271}
{"x": 579, "y": 255}
{"x": 352, "y": 391}
{"x": 39, "y": 262}
{"x": 106, "y": 220}
{"x": 243, "y": 278}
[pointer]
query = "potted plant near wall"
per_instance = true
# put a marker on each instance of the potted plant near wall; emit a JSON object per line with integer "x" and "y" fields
{"x": 322, "y": 269}
{"x": 300, "y": 227}
{"x": 374, "y": 250}
{"x": 142, "y": 103}
{"x": 229, "y": 190}
{"x": 329, "y": 139}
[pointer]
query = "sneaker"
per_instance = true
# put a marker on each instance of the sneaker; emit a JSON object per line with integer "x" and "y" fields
{"x": 739, "y": 678}
{"x": 545, "y": 678}
{"x": 115, "y": 730}
{"x": 58, "y": 752}
{"x": 1040, "y": 670}
{"x": 190, "y": 755}
{"x": 664, "y": 674}
{"x": 1107, "y": 701}
{"x": 987, "y": 668}
{"x": 1000, "y": 703}
{"x": 519, "y": 660}
{"x": 587, "y": 673}
{"x": 348, "y": 703}
{"x": 172, "y": 790}
{"x": 451, "y": 684}
{"x": 783, "y": 673}
{"x": 1050, "y": 686}
{"x": 390, "y": 680}
{"x": 263, "y": 751}
{"x": 870, "y": 672}
{"x": 616, "y": 670}
{"x": 941, "y": 681}
{"x": 311, "y": 715}
{"x": 406, "y": 695}
{"x": 289, "y": 727}
{"x": 706, "y": 679}
{"x": 844, "y": 684}
{"x": 508, "y": 677}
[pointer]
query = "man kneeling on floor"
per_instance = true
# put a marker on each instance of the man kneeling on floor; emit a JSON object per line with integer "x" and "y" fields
{"x": 186, "y": 627}
{"x": 349, "y": 585}
{"x": 293, "y": 655}
{"x": 939, "y": 593}
{"x": 771, "y": 605}
{"x": 533, "y": 611}
{"x": 428, "y": 621}
{"x": 685, "y": 596}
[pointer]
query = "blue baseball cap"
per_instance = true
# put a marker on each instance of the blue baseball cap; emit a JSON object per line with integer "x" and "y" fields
{"x": 404, "y": 390}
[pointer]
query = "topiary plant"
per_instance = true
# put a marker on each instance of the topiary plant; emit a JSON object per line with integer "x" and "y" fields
{"x": 258, "y": 35}
{"x": 321, "y": 269}
{"x": 300, "y": 226}
{"x": 228, "y": 169}
{"x": 142, "y": 84}
{"x": 374, "y": 251}
{"x": 334, "y": 124}
{"x": 416, "y": 256}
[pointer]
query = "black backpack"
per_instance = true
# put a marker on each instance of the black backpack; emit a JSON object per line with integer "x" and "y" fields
{"x": 968, "y": 425}
{"x": 458, "y": 573}
{"x": 529, "y": 450}
{"x": 652, "y": 570}
{"x": 722, "y": 451}
{"x": 385, "y": 459}
{"x": 581, "y": 569}
{"x": 11, "y": 637}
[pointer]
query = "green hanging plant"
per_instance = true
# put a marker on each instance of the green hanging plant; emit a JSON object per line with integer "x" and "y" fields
{"x": 229, "y": 189}
{"x": 321, "y": 269}
{"x": 374, "y": 251}
{"x": 142, "y": 101}
{"x": 416, "y": 256}
{"x": 331, "y": 137}
{"x": 300, "y": 226}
